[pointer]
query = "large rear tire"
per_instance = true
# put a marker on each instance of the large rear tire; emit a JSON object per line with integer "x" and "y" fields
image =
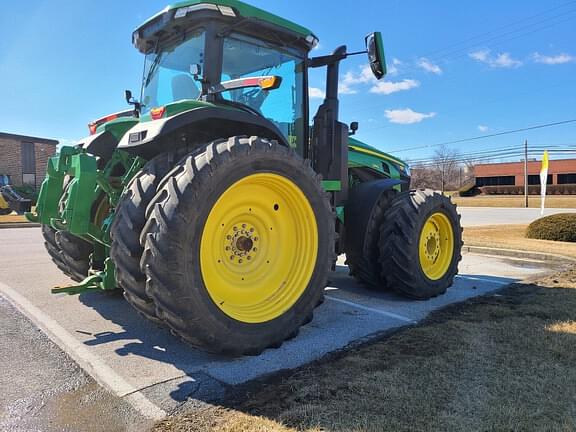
{"x": 126, "y": 250}
{"x": 420, "y": 244}
{"x": 238, "y": 246}
{"x": 365, "y": 267}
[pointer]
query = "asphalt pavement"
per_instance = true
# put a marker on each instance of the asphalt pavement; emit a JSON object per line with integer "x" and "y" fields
{"x": 43, "y": 389}
{"x": 155, "y": 372}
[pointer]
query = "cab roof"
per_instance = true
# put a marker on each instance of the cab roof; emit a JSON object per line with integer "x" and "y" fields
{"x": 233, "y": 10}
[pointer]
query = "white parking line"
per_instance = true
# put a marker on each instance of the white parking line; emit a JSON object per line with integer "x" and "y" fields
{"x": 91, "y": 363}
{"x": 369, "y": 309}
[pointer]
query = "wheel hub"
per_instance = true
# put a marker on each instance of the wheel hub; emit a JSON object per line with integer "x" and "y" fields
{"x": 436, "y": 248}
{"x": 259, "y": 247}
{"x": 433, "y": 246}
{"x": 241, "y": 242}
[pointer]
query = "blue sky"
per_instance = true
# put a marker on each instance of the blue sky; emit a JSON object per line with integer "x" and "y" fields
{"x": 457, "y": 69}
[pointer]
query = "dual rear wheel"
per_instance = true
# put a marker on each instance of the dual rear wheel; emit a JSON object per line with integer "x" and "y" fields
{"x": 235, "y": 245}
{"x": 412, "y": 245}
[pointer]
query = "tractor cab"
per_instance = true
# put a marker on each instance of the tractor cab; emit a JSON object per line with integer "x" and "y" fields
{"x": 236, "y": 56}
{"x": 231, "y": 58}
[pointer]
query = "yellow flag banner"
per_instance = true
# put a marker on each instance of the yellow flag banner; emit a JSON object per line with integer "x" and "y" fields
{"x": 543, "y": 181}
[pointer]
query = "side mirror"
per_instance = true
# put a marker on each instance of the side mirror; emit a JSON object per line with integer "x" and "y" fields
{"x": 131, "y": 101}
{"x": 375, "y": 49}
{"x": 128, "y": 97}
{"x": 353, "y": 128}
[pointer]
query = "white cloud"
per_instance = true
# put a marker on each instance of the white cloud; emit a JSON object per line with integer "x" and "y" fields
{"x": 352, "y": 79}
{"x": 553, "y": 60}
{"x": 392, "y": 69}
{"x": 483, "y": 128}
{"x": 502, "y": 60}
{"x": 505, "y": 61}
{"x": 316, "y": 93}
{"x": 389, "y": 87}
{"x": 481, "y": 56}
{"x": 406, "y": 116}
{"x": 428, "y": 66}
{"x": 364, "y": 76}
{"x": 346, "y": 89}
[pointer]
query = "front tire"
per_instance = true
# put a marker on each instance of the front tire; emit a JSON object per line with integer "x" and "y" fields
{"x": 238, "y": 246}
{"x": 420, "y": 244}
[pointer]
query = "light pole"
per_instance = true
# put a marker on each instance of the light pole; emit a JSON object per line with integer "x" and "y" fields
{"x": 526, "y": 173}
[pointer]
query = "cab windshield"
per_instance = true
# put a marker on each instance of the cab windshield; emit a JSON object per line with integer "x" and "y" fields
{"x": 169, "y": 77}
{"x": 167, "y": 73}
{"x": 245, "y": 57}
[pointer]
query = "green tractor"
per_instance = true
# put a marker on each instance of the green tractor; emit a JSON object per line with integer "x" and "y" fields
{"x": 214, "y": 205}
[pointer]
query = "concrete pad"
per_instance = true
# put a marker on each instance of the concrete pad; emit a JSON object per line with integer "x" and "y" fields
{"x": 478, "y": 216}
{"x": 145, "y": 363}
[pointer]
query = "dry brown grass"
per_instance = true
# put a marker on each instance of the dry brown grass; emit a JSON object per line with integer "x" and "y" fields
{"x": 512, "y": 237}
{"x": 552, "y": 201}
{"x": 12, "y": 218}
{"x": 500, "y": 362}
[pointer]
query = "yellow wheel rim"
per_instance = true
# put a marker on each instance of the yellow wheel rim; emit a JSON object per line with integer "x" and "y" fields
{"x": 436, "y": 246}
{"x": 258, "y": 248}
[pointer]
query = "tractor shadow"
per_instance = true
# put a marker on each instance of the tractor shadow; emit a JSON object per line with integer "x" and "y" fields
{"x": 350, "y": 315}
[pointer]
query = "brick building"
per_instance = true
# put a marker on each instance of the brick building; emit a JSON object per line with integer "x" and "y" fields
{"x": 561, "y": 171}
{"x": 24, "y": 158}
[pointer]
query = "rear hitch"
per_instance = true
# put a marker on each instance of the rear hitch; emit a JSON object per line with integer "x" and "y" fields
{"x": 102, "y": 280}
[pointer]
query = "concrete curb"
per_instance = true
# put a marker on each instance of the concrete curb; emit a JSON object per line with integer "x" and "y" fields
{"x": 19, "y": 225}
{"x": 515, "y": 253}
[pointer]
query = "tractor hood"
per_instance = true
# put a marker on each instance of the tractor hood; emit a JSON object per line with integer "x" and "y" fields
{"x": 360, "y": 147}
{"x": 183, "y": 15}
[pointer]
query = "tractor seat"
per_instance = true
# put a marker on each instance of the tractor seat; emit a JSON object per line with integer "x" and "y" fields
{"x": 184, "y": 87}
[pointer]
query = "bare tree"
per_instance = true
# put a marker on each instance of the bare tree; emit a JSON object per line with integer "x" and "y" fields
{"x": 423, "y": 176}
{"x": 444, "y": 171}
{"x": 447, "y": 167}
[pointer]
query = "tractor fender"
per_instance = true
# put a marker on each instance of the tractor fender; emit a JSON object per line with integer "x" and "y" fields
{"x": 358, "y": 211}
{"x": 101, "y": 144}
{"x": 194, "y": 127}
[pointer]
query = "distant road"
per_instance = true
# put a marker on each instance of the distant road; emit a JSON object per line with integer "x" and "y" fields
{"x": 477, "y": 216}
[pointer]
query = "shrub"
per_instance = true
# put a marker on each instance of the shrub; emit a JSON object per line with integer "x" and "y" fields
{"x": 562, "y": 189}
{"x": 559, "y": 227}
